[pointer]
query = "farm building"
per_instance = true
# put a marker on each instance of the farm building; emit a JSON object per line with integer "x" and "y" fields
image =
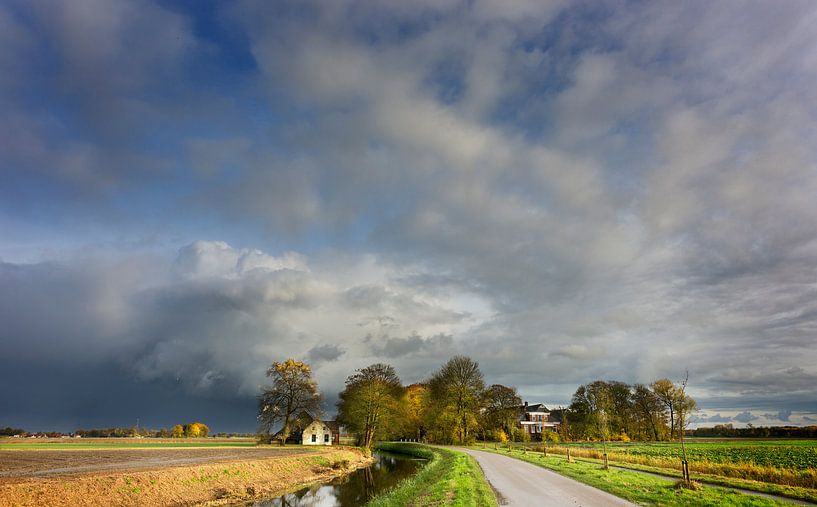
{"x": 321, "y": 433}
{"x": 535, "y": 419}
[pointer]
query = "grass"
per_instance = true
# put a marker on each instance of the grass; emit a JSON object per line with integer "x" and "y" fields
{"x": 449, "y": 478}
{"x": 795, "y": 492}
{"x": 642, "y": 489}
{"x": 754, "y": 461}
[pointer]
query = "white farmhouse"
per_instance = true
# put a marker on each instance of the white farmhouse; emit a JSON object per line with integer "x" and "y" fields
{"x": 321, "y": 433}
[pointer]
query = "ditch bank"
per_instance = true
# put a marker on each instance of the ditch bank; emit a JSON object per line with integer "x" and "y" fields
{"x": 222, "y": 483}
{"x": 448, "y": 478}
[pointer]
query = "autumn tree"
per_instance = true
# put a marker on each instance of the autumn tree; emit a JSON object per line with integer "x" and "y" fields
{"x": 369, "y": 400}
{"x": 455, "y": 392}
{"x": 501, "y": 408}
{"x": 196, "y": 430}
{"x": 590, "y": 408}
{"x": 293, "y": 391}
{"x": 177, "y": 431}
{"x": 649, "y": 413}
{"x": 414, "y": 405}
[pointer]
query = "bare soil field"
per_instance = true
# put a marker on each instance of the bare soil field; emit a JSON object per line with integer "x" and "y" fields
{"x": 44, "y": 463}
{"x": 163, "y": 475}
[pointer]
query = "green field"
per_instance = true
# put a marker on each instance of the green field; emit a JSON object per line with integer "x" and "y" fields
{"x": 791, "y": 454}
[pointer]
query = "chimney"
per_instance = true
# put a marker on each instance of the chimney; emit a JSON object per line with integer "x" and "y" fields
{"x": 526, "y": 404}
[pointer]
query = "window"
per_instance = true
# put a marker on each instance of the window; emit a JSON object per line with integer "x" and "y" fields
{"x": 325, "y": 437}
{"x": 314, "y": 438}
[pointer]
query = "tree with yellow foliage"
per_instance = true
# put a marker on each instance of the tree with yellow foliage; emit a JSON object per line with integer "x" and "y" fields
{"x": 370, "y": 402}
{"x": 414, "y": 408}
{"x": 196, "y": 430}
{"x": 293, "y": 391}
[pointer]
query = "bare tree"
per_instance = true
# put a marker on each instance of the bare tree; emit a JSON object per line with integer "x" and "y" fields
{"x": 684, "y": 406}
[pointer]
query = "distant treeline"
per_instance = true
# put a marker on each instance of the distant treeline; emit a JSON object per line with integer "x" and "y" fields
{"x": 727, "y": 430}
{"x": 10, "y": 432}
{"x": 177, "y": 431}
{"x": 190, "y": 430}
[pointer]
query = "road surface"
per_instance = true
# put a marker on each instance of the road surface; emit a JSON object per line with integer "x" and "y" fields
{"x": 519, "y": 483}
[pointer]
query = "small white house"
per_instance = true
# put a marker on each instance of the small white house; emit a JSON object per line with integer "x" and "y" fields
{"x": 320, "y": 433}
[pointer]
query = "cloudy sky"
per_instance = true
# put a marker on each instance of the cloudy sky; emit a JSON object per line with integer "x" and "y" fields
{"x": 564, "y": 191}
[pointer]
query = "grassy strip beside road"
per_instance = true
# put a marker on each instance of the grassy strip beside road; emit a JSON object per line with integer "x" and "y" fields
{"x": 449, "y": 478}
{"x": 794, "y": 492}
{"x": 789, "y": 463}
{"x": 640, "y": 488}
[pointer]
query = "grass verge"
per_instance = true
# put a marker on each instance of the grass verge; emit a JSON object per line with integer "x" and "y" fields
{"x": 794, "y": 492}
{"x": 639, "y": 488}
{"x": 449, "y": 478}
{"x": 766, "y": 474}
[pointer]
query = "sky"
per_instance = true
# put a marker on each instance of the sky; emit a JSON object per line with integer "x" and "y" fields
{"x": 563, "y": 191}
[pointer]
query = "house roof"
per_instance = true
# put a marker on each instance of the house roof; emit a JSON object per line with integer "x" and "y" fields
{"x": 534, "y": 407}
{"x": 333, "y": 425}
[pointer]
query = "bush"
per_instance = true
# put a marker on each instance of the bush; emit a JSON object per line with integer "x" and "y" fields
{"x": 263, "y": 439}
{"x": 550, "y": 436}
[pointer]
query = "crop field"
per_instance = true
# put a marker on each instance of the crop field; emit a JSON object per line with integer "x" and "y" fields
{"x": 783, "y": 462}
{"x": 791, "y": 454}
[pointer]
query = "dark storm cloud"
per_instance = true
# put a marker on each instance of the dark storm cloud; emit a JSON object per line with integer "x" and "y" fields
{"x": 703, "y": 418}
{"x": 326, "y": 352}
{"x": 745, "y": 417}
{"x": 616, "y": 194}
{"x": 205, "y": 326}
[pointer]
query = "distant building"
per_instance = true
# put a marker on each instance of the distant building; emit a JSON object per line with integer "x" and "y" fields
{"x": 535, "y": 419}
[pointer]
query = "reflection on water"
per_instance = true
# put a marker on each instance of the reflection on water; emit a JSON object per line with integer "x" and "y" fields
{"x": 354, "y": 489}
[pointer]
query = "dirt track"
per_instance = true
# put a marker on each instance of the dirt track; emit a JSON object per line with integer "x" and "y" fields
{"x": 46, "y": 463}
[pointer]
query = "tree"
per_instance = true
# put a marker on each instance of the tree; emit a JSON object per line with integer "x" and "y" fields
{"x": 177, "y": 431}
{"x": 196, "y": 430}
{"x": 455, "y": 393}
{"x": 370, "y": 398}
{"x": 414, "y": 404}
{"x": 650, "y": 414}
{"x": 293, "y": 390}
{"x": 664, "y": 390}
{"x": 501, "y": 406}
{"x": 677, "y": 402}
{"x": 590, "y": 409}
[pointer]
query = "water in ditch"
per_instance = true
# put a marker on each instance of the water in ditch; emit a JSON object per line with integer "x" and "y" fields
{"x": 354, "y": 489}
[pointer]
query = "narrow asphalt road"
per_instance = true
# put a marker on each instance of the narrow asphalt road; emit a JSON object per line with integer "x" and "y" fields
{"x": 520, "y": 483}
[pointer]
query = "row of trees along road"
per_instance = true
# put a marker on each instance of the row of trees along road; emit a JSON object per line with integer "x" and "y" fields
{"x": 604, "y": 410}
{"x": 454, "y": 406}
